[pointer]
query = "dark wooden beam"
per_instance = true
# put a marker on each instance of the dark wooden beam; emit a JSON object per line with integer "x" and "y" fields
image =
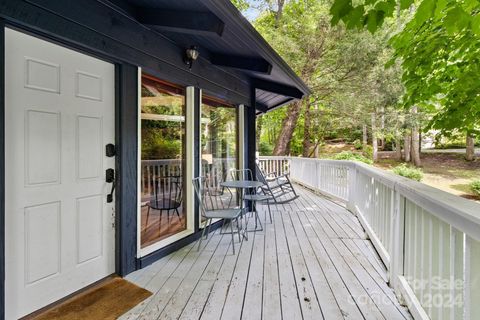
{"x": 261, "y": 107}
{"x": 181, "y": 21}
{"x": 278, "y": 88}
{"x": 250, "y": 133}
{"x": 241, "y": 62}
{"x": 126, "y": 167}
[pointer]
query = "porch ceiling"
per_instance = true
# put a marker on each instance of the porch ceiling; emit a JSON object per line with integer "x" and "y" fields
{"x": 225, "y": 39}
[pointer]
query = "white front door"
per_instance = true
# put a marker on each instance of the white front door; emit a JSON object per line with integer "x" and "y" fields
{"x": 59, "y": 116}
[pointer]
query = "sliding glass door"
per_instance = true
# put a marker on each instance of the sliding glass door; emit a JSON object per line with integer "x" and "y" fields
{"x": 162, "y": 179}
{"x": 167, "y": 163}
{"x": 218, "y": 149}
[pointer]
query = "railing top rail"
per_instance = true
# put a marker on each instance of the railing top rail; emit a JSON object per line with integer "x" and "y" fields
{"x": 461, "y": 213}
{"x": 273, "y": 158}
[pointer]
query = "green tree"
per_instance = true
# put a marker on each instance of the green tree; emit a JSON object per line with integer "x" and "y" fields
{"x": 334, "y": 62}
{"x": 439, "y": 50}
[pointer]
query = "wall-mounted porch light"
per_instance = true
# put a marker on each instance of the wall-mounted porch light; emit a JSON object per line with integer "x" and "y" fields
{"x": 191, "y": 54}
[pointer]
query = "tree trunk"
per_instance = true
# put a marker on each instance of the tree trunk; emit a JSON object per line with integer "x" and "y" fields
{"x": 282, "y": 147}
{"x": 374, "y": 137}
{"x": 307, "y": 143}
{"x": 382, "y": 128}
{"x": 365, "y": 135}
{"x": 279, "y": 12}
{"x": 398, "y": 148}
{"x": 415, "y": 149}
{"x": 470, "y": 152}
{"x": 406, "y": 146}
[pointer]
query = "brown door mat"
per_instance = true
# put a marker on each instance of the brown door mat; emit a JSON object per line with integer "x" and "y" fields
{"x": 108, "y": 300}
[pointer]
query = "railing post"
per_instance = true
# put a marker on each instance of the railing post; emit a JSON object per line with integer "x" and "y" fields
{"x": 352, "y": 183}
{"x": 397, "y": 241}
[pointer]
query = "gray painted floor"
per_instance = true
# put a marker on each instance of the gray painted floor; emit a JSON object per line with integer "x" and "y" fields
{"x": 312, "y": 262}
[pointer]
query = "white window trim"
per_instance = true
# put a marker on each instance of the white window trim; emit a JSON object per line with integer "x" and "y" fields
{"x": 241, "y": 136}
{"x": 189, "y": 173}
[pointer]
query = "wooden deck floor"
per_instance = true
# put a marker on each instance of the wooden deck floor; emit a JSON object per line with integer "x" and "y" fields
{"x": 312, "y": 262}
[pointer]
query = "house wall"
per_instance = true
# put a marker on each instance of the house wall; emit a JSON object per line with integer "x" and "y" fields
{"x": 95, "y": 28}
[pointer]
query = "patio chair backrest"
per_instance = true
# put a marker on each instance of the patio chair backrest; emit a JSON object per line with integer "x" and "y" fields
{"x": 208, "y": 198}
{"x": 260, "y": 175}
{"x": 199, "y": 186}
{"x": 241, "y": 174}
{"x": 168, "y": 191}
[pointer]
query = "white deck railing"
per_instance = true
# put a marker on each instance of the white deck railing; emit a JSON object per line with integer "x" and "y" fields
{"x": 428, "y": 239}
{"x": 152, "y": 169}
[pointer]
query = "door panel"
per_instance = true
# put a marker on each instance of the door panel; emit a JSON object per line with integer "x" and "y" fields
{"x": 59, "y": 117}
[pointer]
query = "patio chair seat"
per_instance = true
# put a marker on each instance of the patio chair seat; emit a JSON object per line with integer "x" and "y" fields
{"x": 277, "y": 183}
{"x": 164, "y": 204}
{"x": 223, "y": 214}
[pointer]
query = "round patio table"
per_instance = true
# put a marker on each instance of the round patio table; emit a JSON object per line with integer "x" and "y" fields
{"x": 242, "y": 185}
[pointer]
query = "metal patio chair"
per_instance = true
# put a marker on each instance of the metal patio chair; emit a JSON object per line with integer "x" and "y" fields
{"x": 213, "y": 178}
{"x": 229, "y": 215}
{"x": 259, "y": 195}
{"x": 278, "y": 186}
{"x": 167, "y": 197}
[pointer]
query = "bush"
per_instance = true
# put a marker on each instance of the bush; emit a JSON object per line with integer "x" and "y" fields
{"x": 475, "y": 186}
{"x": 348, "y": 155}
{"x": 265, "y": 148}
{"x": 368, "y": 151}
{"x": 408, "y": 172}
{"x": 162, "y": 149}
{"x": 357, "y": 144}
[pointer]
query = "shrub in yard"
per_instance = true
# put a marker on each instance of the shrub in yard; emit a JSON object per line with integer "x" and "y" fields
{"x": 357, "y": 144}
{"x": 475, "y": 186}
{"x": 368, "y": 151}
{"x": 408, "y": 172}
{"x": 348, "y": 155}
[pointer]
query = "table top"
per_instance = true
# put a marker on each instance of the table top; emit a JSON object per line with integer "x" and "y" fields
{"x": 241, "y": 184}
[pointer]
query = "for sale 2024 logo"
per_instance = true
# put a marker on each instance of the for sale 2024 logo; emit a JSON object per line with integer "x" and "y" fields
{"x": 436, "y": 292}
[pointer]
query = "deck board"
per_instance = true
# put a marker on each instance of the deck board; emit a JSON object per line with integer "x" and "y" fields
{"x": 312, "y": 262}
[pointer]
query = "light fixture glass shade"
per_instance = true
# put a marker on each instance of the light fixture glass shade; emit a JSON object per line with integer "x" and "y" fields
{"x": 192, "y": 53}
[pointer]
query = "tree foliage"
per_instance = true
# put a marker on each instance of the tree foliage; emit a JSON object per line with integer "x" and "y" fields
{"x": 344, "y": 69}
{"x": 439, "y": 50}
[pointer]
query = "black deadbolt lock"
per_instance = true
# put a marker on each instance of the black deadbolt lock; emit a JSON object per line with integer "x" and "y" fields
{"x": 109, "y": 175}
{"x": 110, "y": 178}
{"x": 110, "y": 150}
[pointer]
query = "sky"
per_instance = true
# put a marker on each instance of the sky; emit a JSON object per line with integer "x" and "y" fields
{"x": 251, "y": 13}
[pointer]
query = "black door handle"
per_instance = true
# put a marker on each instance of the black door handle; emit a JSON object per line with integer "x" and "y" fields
{"x": 110, "y": 178}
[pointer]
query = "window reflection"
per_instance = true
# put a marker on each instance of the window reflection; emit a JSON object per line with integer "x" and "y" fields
{"x": 219, "y": 150}
{"x": 163, "y": 211}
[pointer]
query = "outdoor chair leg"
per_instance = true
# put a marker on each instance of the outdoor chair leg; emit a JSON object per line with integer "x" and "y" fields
{"x": 257, "y": 218}
{"x": 148, "y": 213}
{"x": 209, "y": 225}
{"x": 233, "y": 240}
{"x": 160, "y": 220}
{"x": 203, "y": 233}
{"x": 238, "y": 231}
{"x": 269, "y": 212}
